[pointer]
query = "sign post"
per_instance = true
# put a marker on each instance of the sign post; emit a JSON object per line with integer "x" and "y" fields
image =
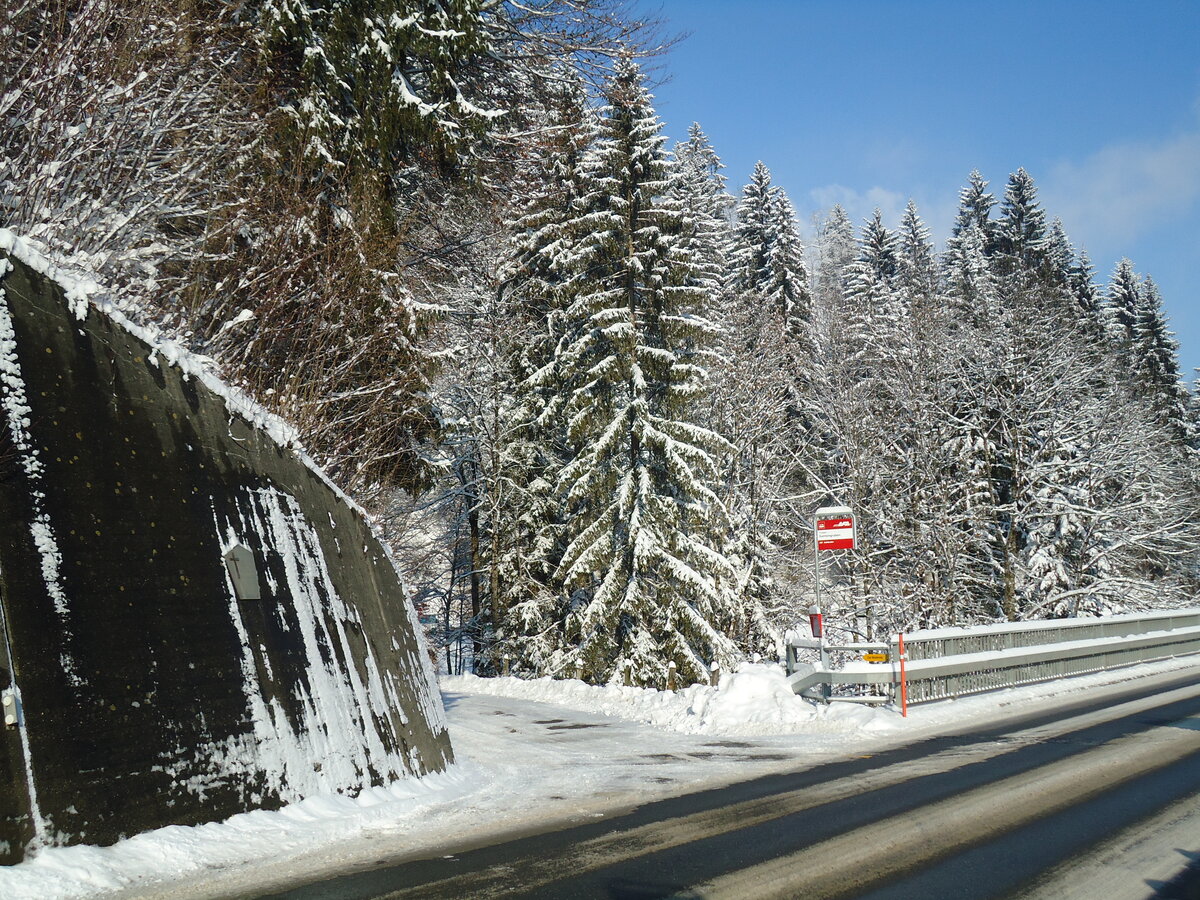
{"x": 833, "y": 529}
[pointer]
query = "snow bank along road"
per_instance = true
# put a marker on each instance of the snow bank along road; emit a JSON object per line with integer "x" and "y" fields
{"x": 1097, "y": 799}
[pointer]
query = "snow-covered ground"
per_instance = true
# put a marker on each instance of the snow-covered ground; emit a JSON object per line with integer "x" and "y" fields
{"x": 530, "y": 754}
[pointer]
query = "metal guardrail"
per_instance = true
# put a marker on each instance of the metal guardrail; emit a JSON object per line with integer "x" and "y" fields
{"x": 947, "y": 663}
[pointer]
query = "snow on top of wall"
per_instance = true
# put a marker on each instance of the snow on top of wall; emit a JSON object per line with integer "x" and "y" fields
{"x": 78, "y": 286}
{"x": 84, "y": 293}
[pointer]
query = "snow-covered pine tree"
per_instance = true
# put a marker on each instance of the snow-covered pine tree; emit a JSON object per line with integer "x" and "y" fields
{"x": 1194, "y": 422}
{"x": 1082, "y": 285}
{"x": 1017, "y": 260}
{"x": 538, "y": 284}
{"x": 768, "y": 256}
{"x": 967, "y": 273}
{"x": 1156, "y": 364}
{"x": 1122, "y": 303}
{"x": 647, "y": 582}
{"x": 753, "y": 233}
{"x": 374, "y": 83}
{"x": 789, "y": 290}
{"x": 916, "y": 264}
{"x": 1046, "y": 484}
{"x": 699, "y": 187}
{"x": 836, "y": 249}
{"x": 1020, "y": 232}
{"x": 877, "y": 261}
{"x": 872, "y": 306}
{"x": 537, "y": 277}
{"x": 760, "y": 398}
{"x": 1060, "y": 255}
{"x": 1068, "y": 288}
{"x": 975, "y": 208}
{"x": 921, "y": 372}
{"x": 969, "y": 282}
{"x": 975, "y": 353}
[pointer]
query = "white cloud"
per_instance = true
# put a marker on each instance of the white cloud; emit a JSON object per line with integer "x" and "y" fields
{"x": 1118, "y": 192}
{"x": 861, "y": 205}
{"x": 937, "y": 212}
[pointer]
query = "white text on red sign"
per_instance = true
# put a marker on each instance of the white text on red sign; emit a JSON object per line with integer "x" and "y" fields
{"x": 835, "y": 534}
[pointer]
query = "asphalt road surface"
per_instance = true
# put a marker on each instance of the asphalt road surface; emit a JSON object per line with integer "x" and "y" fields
{"x": 1095, "y": 800}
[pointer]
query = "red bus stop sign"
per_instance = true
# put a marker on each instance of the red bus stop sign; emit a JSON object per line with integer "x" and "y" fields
{"x": 835, "y": 528}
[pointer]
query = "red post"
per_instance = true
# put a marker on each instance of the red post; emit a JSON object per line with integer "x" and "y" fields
{"x": 815, "y": 621}
{"x": 903, "y": 680}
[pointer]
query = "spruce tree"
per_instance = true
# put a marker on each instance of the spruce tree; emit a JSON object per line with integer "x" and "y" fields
{"x": 1060, "y": 255}
{"x": 373, "y": 84}
{"x": 969, "y": 280}
{"x": 788, "y": 289}
{"x": 916, "y": 263}
{"x": 837, "y": 248}
{"x": 763, "y": 397}
{"x": 538, "y": 283}
{"x": 642, "y": 569}
{"x": 1123, "y": 301}
{"x": 1156, "y": 364}
{"x": 1082, "y": 285}
{"x": 872, "y": 305}
{"x": 768, "y": 255}
{"x": 754, "y": 234}
{"x": 1021, "y": 227}
{"x": 974, "y": 209}
{"x": 699, "y": 187}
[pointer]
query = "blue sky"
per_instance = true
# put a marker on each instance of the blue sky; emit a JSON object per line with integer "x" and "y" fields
{"x": 869, "y": 103}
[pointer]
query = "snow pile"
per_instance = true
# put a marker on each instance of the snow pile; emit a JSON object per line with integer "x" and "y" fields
{"x": 756, "y": 699}
{"x": 86, "y": 871}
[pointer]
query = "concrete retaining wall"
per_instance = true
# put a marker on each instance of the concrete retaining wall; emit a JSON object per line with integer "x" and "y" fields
{"x": 195, "y": 622}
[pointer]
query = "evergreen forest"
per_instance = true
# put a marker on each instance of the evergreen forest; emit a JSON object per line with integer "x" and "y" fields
{"x": 589, "y": 385}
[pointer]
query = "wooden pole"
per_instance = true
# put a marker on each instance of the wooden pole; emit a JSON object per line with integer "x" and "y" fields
{"x": 903, "y": 680}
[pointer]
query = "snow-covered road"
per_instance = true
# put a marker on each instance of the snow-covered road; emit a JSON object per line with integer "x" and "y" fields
{"x": 526, "y": 764}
